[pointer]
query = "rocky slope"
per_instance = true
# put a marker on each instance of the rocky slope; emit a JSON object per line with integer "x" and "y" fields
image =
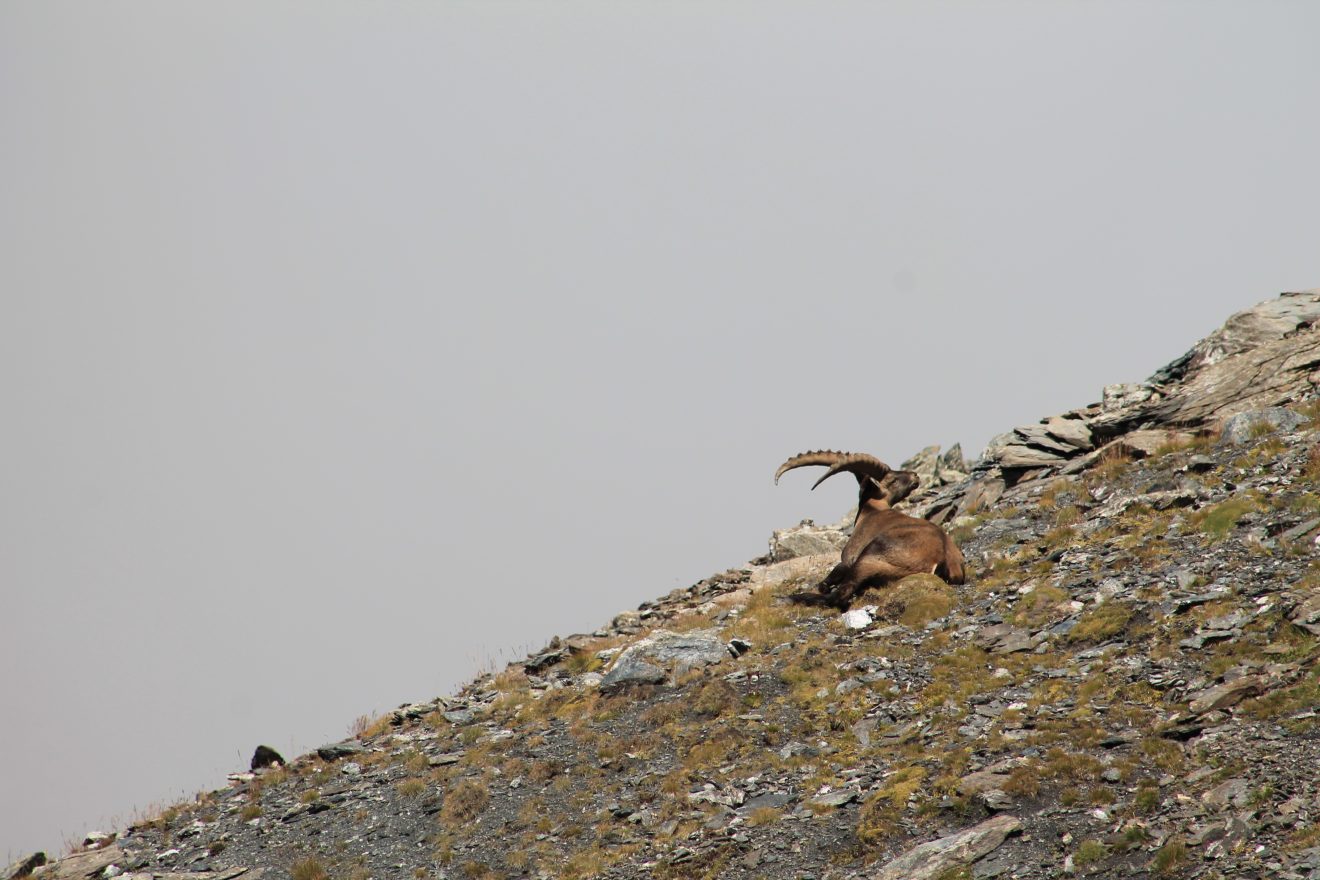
{"x": 1126, "y": 687}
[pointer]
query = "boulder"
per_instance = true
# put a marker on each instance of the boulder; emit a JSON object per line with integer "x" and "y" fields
{"x": 81, "y": 865}
{"x": 646, "y": 661}
{"x": 335, "y": 751}
{"x": 949, "y": 853}
{"x": 1228, "y": 694}
{"x": 265, "y": 756}
{"x": 805, "y": 539}
{"x": 1245, "y": 427}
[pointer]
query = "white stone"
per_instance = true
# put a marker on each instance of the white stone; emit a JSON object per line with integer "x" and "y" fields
{"x": 859, "y": 618}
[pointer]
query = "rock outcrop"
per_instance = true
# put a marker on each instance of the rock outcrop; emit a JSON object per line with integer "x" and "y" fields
{"x": 1265, "y": 356}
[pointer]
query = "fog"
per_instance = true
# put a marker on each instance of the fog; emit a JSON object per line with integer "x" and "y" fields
{"x": 350, "y": 349}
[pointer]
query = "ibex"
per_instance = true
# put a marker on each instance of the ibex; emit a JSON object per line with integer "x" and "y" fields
{"x": 885, "y": 545}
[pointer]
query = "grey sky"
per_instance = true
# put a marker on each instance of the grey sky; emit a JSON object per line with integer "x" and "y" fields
{"x": 347, "y": 347}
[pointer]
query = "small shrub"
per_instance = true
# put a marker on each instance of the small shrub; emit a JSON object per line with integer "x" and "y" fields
{"x": 1134, "y": 836}
{"x": 464, "y": 802}
{"x": 1112, "y": 462}
{"x": 474, "y": 870}
{"x": 249, "y": 812}
{"x": 309, "y": 868}
{"x": 1169, "y": 858}
{"x": 715, "y": 698}
{"x": 879, "y": 812}
{"x": 411, "y": 787}
{"x": 1147, "y": 800}
{"x": 1090, "y": 852}
{"x": 1023, "y": 782}
{"x": 1067, "y": 516}
{"x": 544, "y": 770}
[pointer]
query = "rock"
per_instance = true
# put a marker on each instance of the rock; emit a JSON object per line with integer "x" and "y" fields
{"x": 335, "y": 751}
{"x": 81, "y": 865}
{"x": 738, "y": 647}
{"x": 1071, "y": 432}
{"x": 226, "y": 874}
{"x": 1002, "y": 638}
{"x": 1039, "y": 437}
{"x": 1302, "y": 530}
{"x": 1140, "y": 444}
{"x": 961, "y": 848}
{"x": 1028, "y": 457}
{"x": 953, "y": 460}
{"x": 936, "y": 470}
{"x": 773, "y": 800}
{"x": 859, "y": 618}
{"x": 1261, "y": 357}
{"x": 632, "y": 670}
{"x": 412, "y": 712}
{"x": 265, "y": 756}
{"x": 544, "y": 660}
{"x": 1246, "y": 426}
{"x": 835, "y": 798}
{"x": 1232, "y": 792}
{"x": 23, "y": 867}
{"x": 1307, "y": 615}
{"x": 460, "y": 716}
{"x": 798, "y": 568}
{"x": 645, "y": 661}
{"x": 993, "y": 776}
{"x": 727, "y": 797}
{"x": 1125, "y": 395}
{"x": 806, "y": 539}
{"x": 1228, "y": 694}
{"x": 863, "y": 730}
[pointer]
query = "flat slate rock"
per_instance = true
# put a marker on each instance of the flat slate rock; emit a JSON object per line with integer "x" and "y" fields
{"x": 958, "y": 849}
{"x": 1244, "y": 427}
{"x": 335, "y": 751}
{"x": 79, "y": 865}
{"x": 646, "y": 661}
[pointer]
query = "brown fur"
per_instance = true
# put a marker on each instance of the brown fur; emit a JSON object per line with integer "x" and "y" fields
{"x": 886, "y": 545}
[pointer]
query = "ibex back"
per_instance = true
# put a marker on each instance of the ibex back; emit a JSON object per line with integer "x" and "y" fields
{"x": 885, "y": 545}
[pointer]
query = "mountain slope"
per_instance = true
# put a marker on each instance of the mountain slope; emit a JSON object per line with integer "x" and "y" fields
{"x": 1126, "y": 686}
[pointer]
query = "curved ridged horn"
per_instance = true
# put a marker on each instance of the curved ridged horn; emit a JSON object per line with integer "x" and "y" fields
{"x": 858, "y": 463}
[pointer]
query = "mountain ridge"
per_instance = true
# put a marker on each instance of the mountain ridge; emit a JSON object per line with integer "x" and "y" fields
{"x": 1122, "y": 688}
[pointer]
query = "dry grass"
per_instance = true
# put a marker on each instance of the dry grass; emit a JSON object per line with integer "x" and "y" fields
{"x": 1101, "y": 622}
{"x": 1170, "y": 858}
{"x": 411, "y": 788}
{"x": 464, "y": 802}
{"x": 880, "y": 812}
{"x": 918, "y": 599}
{"x": 1218, "y": 520}
{"x": 309, "y": 868}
